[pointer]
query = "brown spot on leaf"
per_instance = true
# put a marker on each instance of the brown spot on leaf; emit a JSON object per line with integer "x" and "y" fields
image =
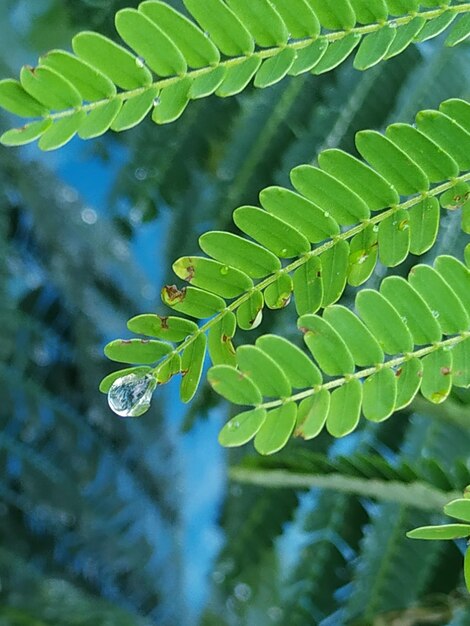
{"x": 172, "y": 295}
{"x": 190, "y": 275}
{"x": 304, "y": 330}
{"x": 164, "y": 321}
{"x": 399, "y": 371}
{"x": 445, "y": 371}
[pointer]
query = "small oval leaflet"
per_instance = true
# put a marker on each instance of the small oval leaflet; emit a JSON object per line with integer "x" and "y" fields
{"x": 130, "y": 395}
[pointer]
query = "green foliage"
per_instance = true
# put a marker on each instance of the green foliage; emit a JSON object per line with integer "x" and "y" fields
{"x": 405, "y": 161}
{"x": 459, "y": 509}
{"x": 173, "y": 59}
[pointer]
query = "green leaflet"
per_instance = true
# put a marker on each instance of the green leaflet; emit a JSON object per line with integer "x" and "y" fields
{"x": 150, "y": 42}
{"x": 435, "y": 27}
{"x": 298, "y": 368}
{"x": 404, "y": 36}
{"x": 334, "y": 272}
{"x": 299, "y": 18}
{"x": 424, "y": 225}
{"x": 15, "y": 99}
{"x": 437, "y": 376}
{"x": 363, "y": 254}
{"x": 455, "y": 197}
{"x": 250, "y": 312}
{"x": 452, "y": 138}
{"x": 99, "y": 120}
{"x": 276, "y": 429}
{"x": 197, "y": 49}
{"x": 242, "y": 428}
{"x": 234, "y": 385}
{"x": 90, "y": 82}
{"x": 49, "y": 88}
{"x": 460, "y": 509}
{"x": 461, "y": 364}
{"x": 436, "y": 164}
{"x": 171, "y": 102}
{"x": 225, "y": 29}
{"x": 278, "y": 294}
{"x": 329, "y": 194}
{"x": 457, "y": 276}
{"x": 265, "y": 373}
{"x": 112, "y": 60}
{"x": 384, "y": 322}
{"x": 376, "y": 192}
{"x": 61, "y": 131}
{"x": 308, "y": 287}
{"x": 369, "y": 12}
{"x": 274, "y": 69}
{"x": 336, "y": 53}
{"x": 394, "y": 165}
{"x": 271, "y": 232}
{"x": 168, "y": 328}
{"x": 191, "y": 366}
{"x": 326, "y": 345}
{"x": 212, "y": 276}
{"x": 207, "y": 84}
{"x": 363, "y": 346}
{"x": 345, "y": 409}
{"x": 446, "y": 531}
{"x": 133, "y": 111}
{"x": 25, "y": 134}
{"x": 374, "y": 47}
{"x": 408, "y": 382}
{"x": 460, "y": 32}
{"x": 444, "y": 303}
{"x": 308, "y": 57}
{"x": 238, "y": 76}
{"x": 221, "y": 350}
{"x": 191, "y": 301}
{"x": 379, "y": 395}
{"x": 136, "y": 350}
{"x": 334, "y": 14}
{"x": 300, "y": 212}
{"x": 397, "y": 7}
{"x": 312, "y": 414}
{"x": 262, "y": 20}
{"x": 240, "y": 253}
{"x": 394, "y": 238}
{"x": 414, "y": 311}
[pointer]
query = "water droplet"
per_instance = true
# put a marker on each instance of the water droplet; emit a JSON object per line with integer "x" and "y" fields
{"x": 130, "y": 395}
{"x": 283, "y": 252}
{"x": 375, "y": 228}
{"x": 139, "y": 62}
{"x": 224, "y": 270}
{"x": 435, "y": 314}
{"x": 327, "y": 214}
{"x": 242, "y": 592}
{"x": 156, "y": 102}
{"x": 404, "y": 224}
{"x": 404, "y": 319}
{"x": 234, "y": 425}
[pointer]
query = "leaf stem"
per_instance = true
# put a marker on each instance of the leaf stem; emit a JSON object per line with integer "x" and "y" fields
{"x": 417, "y": 494}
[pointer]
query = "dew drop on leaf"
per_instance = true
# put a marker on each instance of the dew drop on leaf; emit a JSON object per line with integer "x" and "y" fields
{"x": 224, "y": 270}
{"x": 139, "y": 62}
{"x": 435, "y": 314}
{"x": 130, "y": 395}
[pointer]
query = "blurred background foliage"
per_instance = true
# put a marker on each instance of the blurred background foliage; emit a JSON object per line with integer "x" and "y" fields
{"x": 106, "y": 521}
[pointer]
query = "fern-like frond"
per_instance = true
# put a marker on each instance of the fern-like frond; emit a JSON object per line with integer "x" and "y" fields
{"x": 170, "y": 59}
{"x": 421, "y": 325}
{"x": 410, "y": 168}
